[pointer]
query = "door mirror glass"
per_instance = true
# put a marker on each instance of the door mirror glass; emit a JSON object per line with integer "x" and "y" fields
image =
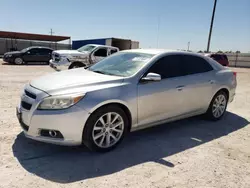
{"x": 151, "y": 77}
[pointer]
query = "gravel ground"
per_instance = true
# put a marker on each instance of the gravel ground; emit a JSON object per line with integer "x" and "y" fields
{"x": 187, "y": 153}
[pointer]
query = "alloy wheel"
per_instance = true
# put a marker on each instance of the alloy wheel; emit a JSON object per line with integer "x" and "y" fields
{"x": 108, "y": 130}
{"x": 219, "y": 106}
{"x": 18, "y": 61}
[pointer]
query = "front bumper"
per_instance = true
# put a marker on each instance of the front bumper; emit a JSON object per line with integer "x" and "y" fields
{"x": 59, "y": 65}
{"x": 8, "y": 60}
{"x": 69, "y": 122}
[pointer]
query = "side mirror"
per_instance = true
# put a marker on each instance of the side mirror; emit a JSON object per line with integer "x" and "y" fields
{"x": 151, "y": 77}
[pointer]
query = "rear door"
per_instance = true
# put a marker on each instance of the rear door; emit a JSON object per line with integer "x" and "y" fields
{"x": 44, "y": 54}
{"x": 198, "y": 83}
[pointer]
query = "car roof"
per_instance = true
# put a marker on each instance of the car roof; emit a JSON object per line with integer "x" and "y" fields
{"x": 31, "y": 47}
{"x": 99, "y": 45}
{"x": 163, "y": 51}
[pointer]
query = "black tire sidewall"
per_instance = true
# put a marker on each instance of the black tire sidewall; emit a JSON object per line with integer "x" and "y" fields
{"x": 209, "y": 112}
{"x": 87, "y": 138}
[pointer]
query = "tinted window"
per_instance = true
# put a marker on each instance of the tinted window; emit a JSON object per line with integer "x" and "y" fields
{"x": 112, "y": 51}
{"x": 225, "y": 57}
{"x": 216, "y": 57}
{"x": 43, "y": 51}
{"x": 33, "y": 51}
{"x": 168, "y": 67}
{"x": 194, "y": 65}
{"x": 101, "y": 52}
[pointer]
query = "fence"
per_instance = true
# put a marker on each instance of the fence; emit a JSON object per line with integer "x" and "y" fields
{"x": 8, "y": 45}
{"x": 239, "y": 59}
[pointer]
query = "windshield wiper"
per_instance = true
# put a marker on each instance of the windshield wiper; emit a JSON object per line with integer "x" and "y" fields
{"x": 101, "y": 72}
{"x": 106, "y": 73}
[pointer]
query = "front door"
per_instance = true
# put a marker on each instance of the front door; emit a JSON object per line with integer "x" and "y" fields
{"x": 31, "y": 55}
{"x": 99, "y": 54}
{"x": 163, "y": 99}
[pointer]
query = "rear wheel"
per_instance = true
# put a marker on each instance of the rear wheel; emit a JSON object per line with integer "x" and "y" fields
{"x": 217, "y": 106}
{"x": 76, "y": 65}
{"x": 105, "y": 128}
{"x": 18, "y": 61}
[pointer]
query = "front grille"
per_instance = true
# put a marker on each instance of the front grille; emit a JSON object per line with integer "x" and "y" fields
{"x": 26, "y": 105}
{"x": 31, "y": 95}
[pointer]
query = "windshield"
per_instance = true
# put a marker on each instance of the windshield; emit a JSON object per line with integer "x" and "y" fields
{"x": 121, "y": 64}
{"x": 86, "y": 48}
{"x": 25, "y": 50}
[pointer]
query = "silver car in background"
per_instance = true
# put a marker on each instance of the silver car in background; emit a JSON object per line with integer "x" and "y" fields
{"x": 127, "y": 91}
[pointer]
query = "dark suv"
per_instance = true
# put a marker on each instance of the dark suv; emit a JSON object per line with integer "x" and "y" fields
{"x": 220, "y": 58}
{"x": 31, "y": 54}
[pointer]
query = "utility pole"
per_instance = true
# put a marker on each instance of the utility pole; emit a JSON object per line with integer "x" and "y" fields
{"x": 188, "y": 46}
{"x": 158, "y": 28}
{"x": 211, "y": 26}
{"x": 51, "y": 32}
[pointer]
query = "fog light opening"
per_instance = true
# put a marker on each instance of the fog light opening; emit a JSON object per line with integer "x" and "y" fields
{"x": 52, "y": 133}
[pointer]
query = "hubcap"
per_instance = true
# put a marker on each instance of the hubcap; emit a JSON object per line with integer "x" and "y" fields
{"x": 219, "y": 105}
{"x": 18, "y": 61}
{"x": 108, "y": 130}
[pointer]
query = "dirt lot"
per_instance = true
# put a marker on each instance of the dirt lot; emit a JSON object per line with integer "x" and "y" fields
{"x": 188, "y": 153}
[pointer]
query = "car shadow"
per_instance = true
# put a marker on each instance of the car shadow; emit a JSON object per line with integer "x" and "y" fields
{"x": 27, "y": 64}
{"x": 69, "y": 164}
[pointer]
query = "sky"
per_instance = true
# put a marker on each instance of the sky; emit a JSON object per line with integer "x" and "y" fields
{"x": 168, "y": 24}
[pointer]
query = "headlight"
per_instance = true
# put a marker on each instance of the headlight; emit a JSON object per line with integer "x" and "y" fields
{"x": 9, "y": 55}
{"x": 59, "y": 102}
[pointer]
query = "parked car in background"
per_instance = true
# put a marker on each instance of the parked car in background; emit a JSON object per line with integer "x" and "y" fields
{"x": 82, "y": 57}
{"x": 220, "y": 58}
{"x": 128, "y": 91}
{"x": 31, "y": 54}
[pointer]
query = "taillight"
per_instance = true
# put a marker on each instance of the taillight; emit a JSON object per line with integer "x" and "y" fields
{"x": 235, "y": 74}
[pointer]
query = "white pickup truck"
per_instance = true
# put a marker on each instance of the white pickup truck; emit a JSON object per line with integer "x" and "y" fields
{"x": 82, "y": 57}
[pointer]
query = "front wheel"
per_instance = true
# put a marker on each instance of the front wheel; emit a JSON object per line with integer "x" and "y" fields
{"x": 18, "y": 61}
{"x": 217, "y": 106}
{"x": 105, "y": 128}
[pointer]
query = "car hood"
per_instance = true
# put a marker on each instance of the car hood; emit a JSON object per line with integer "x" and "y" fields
{"x": 74, "y": 81}
{"x": 69, "y": 52}
{"x": 13, "y": 53}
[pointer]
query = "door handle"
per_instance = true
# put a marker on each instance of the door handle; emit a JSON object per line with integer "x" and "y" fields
{"x": 179, "y": 88}
{"x": 211, "y": 81}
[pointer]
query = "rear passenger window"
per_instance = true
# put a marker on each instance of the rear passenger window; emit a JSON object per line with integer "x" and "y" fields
{"x": 112, "y": 51}
{"x": 167, "y": 67}
{"x": 101, "y": 52}
{"x": 194, "y": 65}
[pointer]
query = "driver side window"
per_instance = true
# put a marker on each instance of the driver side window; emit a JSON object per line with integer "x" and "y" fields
{"x": 168, "y": 67}
{"x": 101, "y": 52}
{"x": 32, "y": 52}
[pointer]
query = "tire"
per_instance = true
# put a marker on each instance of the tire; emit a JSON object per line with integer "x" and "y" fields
{"x": 76, "y": 65}
{"x": 92, "y": 139}
{"x": 218, "y": 106}
{"x": 18, "y": 61}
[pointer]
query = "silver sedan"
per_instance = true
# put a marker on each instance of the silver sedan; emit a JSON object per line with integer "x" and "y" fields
{"x": 127, "y": 91}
